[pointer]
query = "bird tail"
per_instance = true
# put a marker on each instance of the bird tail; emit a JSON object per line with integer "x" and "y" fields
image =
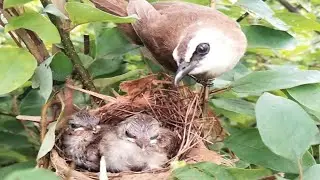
{"x": 118, "y": 8}
{"x": 115, "y": 7}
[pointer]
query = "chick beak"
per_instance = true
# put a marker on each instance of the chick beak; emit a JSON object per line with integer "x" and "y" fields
{"x": 142, "y": 144}
{"x": 183, "y": 69}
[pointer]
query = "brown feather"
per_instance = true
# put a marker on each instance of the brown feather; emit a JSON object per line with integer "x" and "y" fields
{"x": 161, "y": 34}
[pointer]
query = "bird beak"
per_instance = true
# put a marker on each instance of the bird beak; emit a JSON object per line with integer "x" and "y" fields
{"x": 142, "y": 143}
{"x": 184, "y": 69}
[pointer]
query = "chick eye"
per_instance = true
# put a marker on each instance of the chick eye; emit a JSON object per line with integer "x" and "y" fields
{"x": 129, "y": 135}
{"x": 154, "y": 137}
{"x": 203, "y": 48}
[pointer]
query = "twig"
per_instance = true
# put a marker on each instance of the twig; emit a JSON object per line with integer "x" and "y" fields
{"x": 300, "y": 169}
{"x": 205, "y": 101}
{"x": 43, "y": 120}
{"x": 8, "y": 114}
{"x": 12, "y": 35}
{"x": 70, "y": 51}
{"x": 291, "y": 8}
{"x": 44, "y": 54}
{"x": 86, "y": 44}
{"x": 103, "y": 170}
{"x": 36, "y": 119}
{"x": 217, "y": 91}
{"x": 242, "y": 17}
{"x": 101, "y": 96}
{"x": 38, "y": 50}
{"x": 288, "y": 6}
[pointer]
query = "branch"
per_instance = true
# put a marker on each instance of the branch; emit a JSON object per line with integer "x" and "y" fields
{"x": 70, "y": 51}
{"x": 243, "y": 16}
{"x": 30, "y": 39}
{"x": 11, "y": 34}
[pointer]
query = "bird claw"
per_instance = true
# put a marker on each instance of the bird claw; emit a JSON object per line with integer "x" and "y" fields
{"x": 207, "y": 83}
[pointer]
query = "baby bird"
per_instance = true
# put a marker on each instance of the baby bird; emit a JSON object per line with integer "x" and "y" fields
{"x": 133, "y": 145}
{"x": 81, "y": 140}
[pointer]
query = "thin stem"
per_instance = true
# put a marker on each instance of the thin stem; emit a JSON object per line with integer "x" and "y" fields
{"x": 205, "y": 101}
{"x": 8, "y": 114}
{"x": 300, "y": 169}
{"x": 288, "y": 6}
{"x": 242, "y": 17}
{"x": 70, "y": 51}
{"x": 217, "y": 91}
{"x": 86, "y": 44}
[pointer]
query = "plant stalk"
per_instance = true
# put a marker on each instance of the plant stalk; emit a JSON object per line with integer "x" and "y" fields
{"x": 70, "y": 51}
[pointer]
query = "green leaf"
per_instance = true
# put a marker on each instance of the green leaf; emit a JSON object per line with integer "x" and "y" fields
{"x": 104, "y": 66}
{"x": 265, "y": 37}
{"x": 235, "y": 105}
{"x": 236, "y": 118}
{"x": 262, "y": 10}
{"x": 86, "y": 60}
{"x": 10, "y": 124}
{"x": 31, "y": 105}
{"x": 237, "y": 72}
{"x": 80, "y": 13}
{"x": 15, "y": 167}
{"x": 248, "y": 146}
{"x": 284, "y": 126}
{"x": 13, "y": 141}
{"x": 48, "y": 141}
{"x": 52, "y": 9}
{"x": 119, "y": 45}
{"x": 12, "y": 3}
{"x": 16, "y": 67}
{"x": 32, "y": 174}
{"x": 260, "y": 81}
{"x": 201, "y": 2}
{"x": 109, "y": 56}
{"x": 104, "y": 82}
{"x": 43, "y": 78}
{"x": 308, "y": 95}
{"x": 7, "y": 153}
{"x": 299, "y": 22}
{"x": 248, "y": 174}
{"x": 61, "y": 67}
{"x": 313, "y": 173}
{"x": 206, "y": 170}
{"x": 37, "y": 23}
{"x": 203, "y": 171}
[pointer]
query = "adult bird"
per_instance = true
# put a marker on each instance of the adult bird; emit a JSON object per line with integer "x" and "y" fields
{"x": 185, "y": 38}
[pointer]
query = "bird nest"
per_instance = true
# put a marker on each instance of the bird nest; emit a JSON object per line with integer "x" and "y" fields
{"x": 177, "y": 108}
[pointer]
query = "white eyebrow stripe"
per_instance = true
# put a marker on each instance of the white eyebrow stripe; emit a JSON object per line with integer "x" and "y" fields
{"x": 199, "y": 38}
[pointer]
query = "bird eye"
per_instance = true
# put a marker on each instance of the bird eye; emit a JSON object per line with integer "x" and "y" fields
{"x": 154, "y": 137}
{"x": 203, "y": 48}
{"x": 129, "y": 135}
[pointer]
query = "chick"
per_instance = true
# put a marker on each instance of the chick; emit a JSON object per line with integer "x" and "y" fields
{"x": 81, "y": 140}
{"x": 133, "y": 145}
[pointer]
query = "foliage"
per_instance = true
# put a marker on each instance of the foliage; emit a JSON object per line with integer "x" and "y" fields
{"x": 269, "y": 103}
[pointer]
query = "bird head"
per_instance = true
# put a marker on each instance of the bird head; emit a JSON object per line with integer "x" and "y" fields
{"x": 141, "y": 129}
{"x": 207, "y": 52}
{"x": 83, "y": 120}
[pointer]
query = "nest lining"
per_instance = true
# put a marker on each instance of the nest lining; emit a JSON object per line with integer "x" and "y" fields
{"x": 178, "y": 109}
